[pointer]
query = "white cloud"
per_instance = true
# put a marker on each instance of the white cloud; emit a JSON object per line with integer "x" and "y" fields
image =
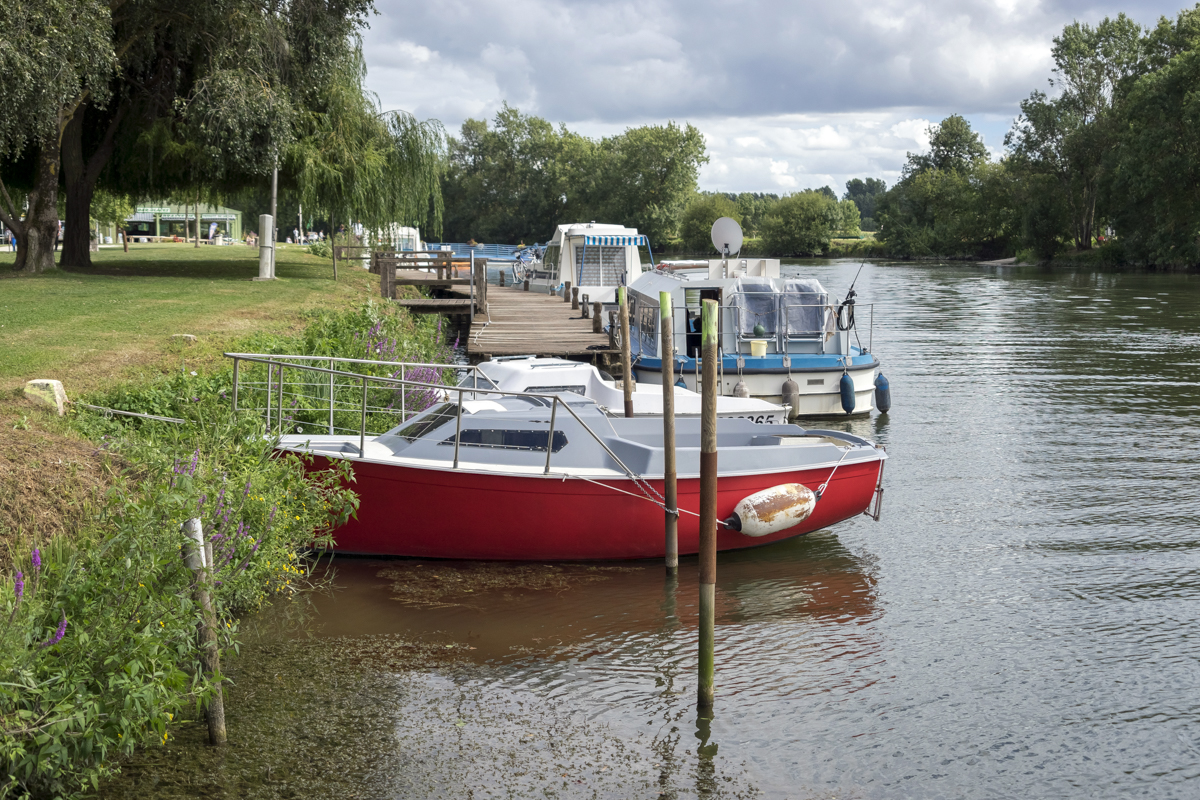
{"x": 833, "y": 89}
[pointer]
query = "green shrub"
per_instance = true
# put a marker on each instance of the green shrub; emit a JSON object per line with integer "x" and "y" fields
{"x": 99, "y": 650}
{"x": 800, "y": 224}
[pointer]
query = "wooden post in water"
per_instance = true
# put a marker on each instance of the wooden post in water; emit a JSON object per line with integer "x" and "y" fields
{"x": 708, "y": 504}
{"x": 669, "y": 483}
{"x": 197, "y": 555}
{"x": 626, "y": 368}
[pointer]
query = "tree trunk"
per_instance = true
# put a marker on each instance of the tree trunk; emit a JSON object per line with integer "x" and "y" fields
{"x": 80, "y": 178}
{"x": 35, "y": 248}
{"x": 197, "y": 218}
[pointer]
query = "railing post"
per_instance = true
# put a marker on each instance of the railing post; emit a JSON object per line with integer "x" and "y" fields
{"x": 270, "y": 374}
{"x": 362, "y": 430}
{"x": 279, "y": 410}
{"x": 403, "y": 398}
{"x": 235, "y": 384}
{"x": 458, "y": 427}
{"x": 550, "y": 436}
{"x": 331, "y": 396}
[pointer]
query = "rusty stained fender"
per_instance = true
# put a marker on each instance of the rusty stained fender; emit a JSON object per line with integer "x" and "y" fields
{"x": 772, "y": 510}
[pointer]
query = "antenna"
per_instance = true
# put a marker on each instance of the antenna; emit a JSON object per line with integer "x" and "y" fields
{"x": 727, "y": 237}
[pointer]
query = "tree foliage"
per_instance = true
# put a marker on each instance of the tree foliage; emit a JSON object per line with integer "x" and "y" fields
{"x": 695, "y": 228}
{"x": 515, "y": 179}
{"x": 801, "y": 224}
{"x": 864, "y": 193}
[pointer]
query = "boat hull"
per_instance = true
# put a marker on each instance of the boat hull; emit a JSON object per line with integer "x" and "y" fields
{"x": 457, "y": 514}
{"x": 818, "y": 389}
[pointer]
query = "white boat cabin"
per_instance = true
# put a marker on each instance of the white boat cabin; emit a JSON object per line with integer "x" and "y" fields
{"x": 595, "y": 257}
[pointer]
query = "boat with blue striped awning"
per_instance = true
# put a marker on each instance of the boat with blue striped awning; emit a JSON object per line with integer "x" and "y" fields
{"x": 593, "y": 256}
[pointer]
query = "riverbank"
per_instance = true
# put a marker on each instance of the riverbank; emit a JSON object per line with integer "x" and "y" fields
{"x": 99, "y": 655}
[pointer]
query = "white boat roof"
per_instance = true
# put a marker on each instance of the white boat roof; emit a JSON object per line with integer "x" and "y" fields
{"x": 572, "y": 229}
{"x": 551, "y": 375}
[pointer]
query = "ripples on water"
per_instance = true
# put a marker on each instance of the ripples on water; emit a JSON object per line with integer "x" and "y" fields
{"x": 1022, "y": 623}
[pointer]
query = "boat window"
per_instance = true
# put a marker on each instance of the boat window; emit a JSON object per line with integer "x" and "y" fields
{"x": 550, "y": 260}
{"x": 553, "y": 389}
{"x": 505, "y": 439}
{"x": 647, "y": 329}
{"x": 428, "y": 420}
{"x": 602, "y": 266}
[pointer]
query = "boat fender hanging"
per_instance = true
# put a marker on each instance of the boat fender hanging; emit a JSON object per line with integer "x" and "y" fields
{"x": 772, "y": 510}
{"x": 846, "y": 387}
{"x": 740, "y": 390}
{"x": 679, "y": 382}
{"x": 883, "y": 394}
{"x": 791, "y": 397}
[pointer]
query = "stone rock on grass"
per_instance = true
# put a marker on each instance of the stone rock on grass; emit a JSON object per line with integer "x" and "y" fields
{"x": 183, "y": 338}
{"x": 49, "y": 392}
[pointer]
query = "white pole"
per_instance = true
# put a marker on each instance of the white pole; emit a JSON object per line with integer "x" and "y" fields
{"x": 266, "y": 249}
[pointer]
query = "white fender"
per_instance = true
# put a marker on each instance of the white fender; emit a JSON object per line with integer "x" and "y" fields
{"x": 772, "y": 510}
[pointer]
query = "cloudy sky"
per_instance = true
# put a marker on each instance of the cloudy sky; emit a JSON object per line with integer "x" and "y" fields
{"x": 789, "y": 95}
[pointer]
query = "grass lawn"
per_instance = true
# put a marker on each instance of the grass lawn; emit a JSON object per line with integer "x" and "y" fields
{"x": 90, "y": 328}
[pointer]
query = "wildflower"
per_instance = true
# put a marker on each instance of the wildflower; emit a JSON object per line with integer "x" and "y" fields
{"x": 19, "y": 585}
{"x": 203, "y": 498}
{"x": 247, "y": 492}
{"x": 58, "y": 634}
{"x": 37, "y": 559}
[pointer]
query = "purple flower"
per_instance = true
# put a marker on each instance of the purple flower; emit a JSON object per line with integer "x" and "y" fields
{"x": 203, "y": 498}
{"x": 19, "y": 585}
{"x": 58, "y": 634}
{"x": 37, "y": 559}
{"x": 271, "y": 518}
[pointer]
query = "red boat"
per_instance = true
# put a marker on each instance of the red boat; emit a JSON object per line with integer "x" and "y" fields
{"x": 522, "y": 478}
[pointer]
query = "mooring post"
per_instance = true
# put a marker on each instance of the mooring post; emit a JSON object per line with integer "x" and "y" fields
{"x": 574, "y": 298}
{"x": 668, "y": 393}
{"x": 567, "y": 292}
{"x": 502, "y": 277}
{"x": 708, "y": 503}
{"x": 585, "y": 305}
{"x": 626, "y": 368}
{"x": 197, "y": 555}
{"x": 612, "y": 330}
{"x": 597, "y": 322}
{"x": 526, "y": 286}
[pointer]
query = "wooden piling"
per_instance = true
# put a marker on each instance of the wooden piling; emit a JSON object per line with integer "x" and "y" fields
{"x": 597, "y": 322}
{"x": 526, "y": 287}
{"x": 669, "y": 481}
{"x": 574, "y": 298}
{"x": 567, "y": 292}
{"x": 612, "y": 330}
{"x": 626, "y": 368}
{"x": 585, "y": 306}
{"x": 708, "y": 504}
{"x": 198, "y": 557}
{"x": 502, "y": 277}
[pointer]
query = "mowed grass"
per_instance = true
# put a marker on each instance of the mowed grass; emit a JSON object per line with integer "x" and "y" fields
{"x": 91, "y": 328}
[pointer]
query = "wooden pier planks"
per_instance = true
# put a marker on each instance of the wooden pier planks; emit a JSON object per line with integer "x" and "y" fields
{"x": 517, "y": 322}
{"x": 435, "y": 305}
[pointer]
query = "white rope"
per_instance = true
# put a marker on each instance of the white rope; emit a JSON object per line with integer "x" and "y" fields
{"x": 821, "y": 489}
{"x": 642, "y": 496}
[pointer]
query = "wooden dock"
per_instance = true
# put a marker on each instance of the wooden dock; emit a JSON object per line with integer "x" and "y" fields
{"x": 517, "y": 322}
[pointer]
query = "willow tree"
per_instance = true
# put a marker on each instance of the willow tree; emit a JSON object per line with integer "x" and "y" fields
{"x": 352, "y": 161}
{"x": 55, "y": 56}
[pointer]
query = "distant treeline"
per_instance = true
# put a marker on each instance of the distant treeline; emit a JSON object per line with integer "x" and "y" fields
{"x": 1110, "y": 157}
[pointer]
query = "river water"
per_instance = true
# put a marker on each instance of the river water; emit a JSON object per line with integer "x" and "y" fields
{"x": 1021, "y": 623}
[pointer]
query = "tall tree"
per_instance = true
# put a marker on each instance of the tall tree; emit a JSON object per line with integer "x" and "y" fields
{"x": 55, "y": 57}
{"x": 695, "y": 227}
{"x": 953, "y": 145}
{"x": 1069, "y": 136}
{"x": 864, "y": 192}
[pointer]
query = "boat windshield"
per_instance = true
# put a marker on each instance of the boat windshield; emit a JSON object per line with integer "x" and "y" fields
{"x": 427, "y": 420}
{"x": 550, "y": 260}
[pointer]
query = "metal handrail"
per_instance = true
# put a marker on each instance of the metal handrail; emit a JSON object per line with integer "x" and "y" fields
{"x": 272, "y": 362}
